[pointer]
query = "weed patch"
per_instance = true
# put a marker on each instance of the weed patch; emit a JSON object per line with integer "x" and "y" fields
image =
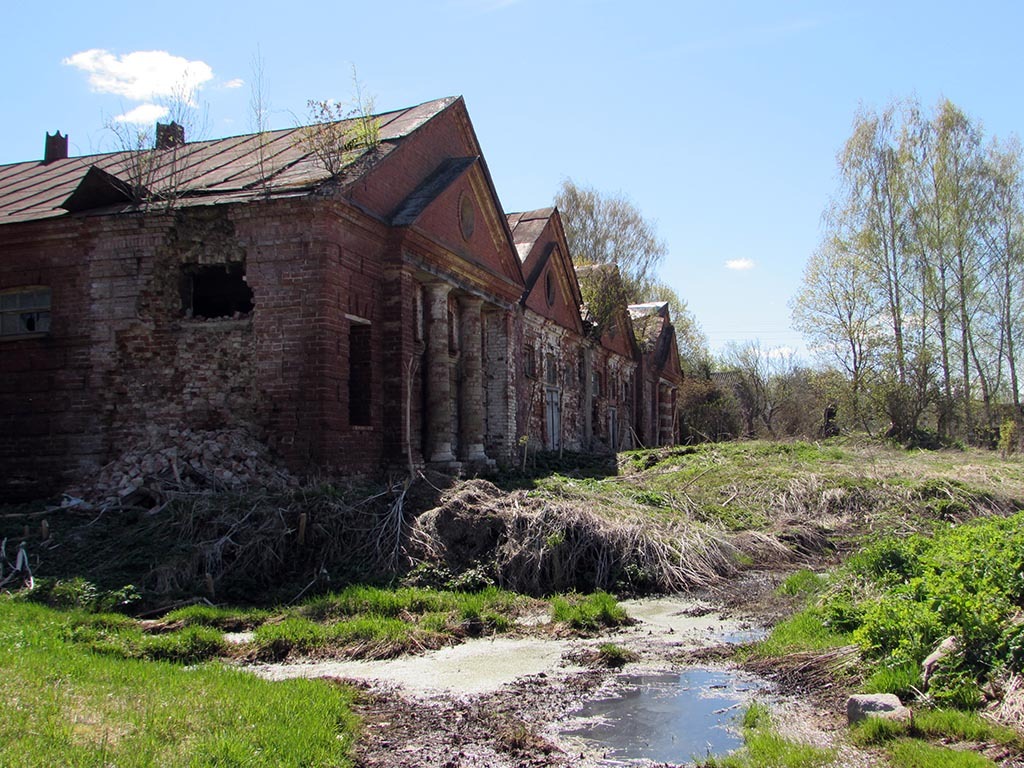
{"x": 589, "y": 613}
{"x": 765, "y": 747}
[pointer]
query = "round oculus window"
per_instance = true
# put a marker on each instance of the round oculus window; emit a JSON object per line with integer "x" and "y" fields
{"x": 467, "y": 216}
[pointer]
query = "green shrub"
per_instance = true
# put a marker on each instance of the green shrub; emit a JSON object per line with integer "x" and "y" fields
{"x": 614, "y": 655}
{"x": 78, "y": 593}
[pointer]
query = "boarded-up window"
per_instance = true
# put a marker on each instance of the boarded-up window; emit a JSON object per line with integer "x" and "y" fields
{"x": 214, "y": 291}
{"x": 359, "y": 379}
{"x": 24, "y": 311}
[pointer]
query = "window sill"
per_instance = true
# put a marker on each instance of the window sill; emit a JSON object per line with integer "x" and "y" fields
{"x": 24, "y": 336}
{"x": 215, "y": 324}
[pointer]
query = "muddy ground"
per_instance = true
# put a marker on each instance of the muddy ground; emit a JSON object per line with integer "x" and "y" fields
{"x": 454, "y": 710}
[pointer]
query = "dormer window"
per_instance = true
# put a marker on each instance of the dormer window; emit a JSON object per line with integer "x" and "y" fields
{"x": 25, "y": 311}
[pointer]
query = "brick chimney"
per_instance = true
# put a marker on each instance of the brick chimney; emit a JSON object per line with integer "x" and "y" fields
{"x": 169, "y": 135}
{"x": 56, "y": 148}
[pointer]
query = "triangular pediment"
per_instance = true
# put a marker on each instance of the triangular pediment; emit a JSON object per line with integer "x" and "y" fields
{"x": 552, "y": 290}
{"x": 455, "y": 208}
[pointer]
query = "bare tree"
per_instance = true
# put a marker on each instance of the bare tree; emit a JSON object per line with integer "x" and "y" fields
{"x": 338, "y": 132}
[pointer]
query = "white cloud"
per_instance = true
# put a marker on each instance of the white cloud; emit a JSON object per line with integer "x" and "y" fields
{"x": 141, "y": 75}
{"x": 739, "y": 265}
{"x": 781, "y": 353}
{"x": 236, "y": 83}
{"x": 144, "y": 114}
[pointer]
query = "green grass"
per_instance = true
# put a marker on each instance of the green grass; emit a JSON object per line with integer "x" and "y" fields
{"x": 218, "y": 617}
{"x": 802, "y": 583}
{"x": 765, "y": 747}
{"x": 902, "y": 679}
{"x": 589, "y": 613}
{"x": 913, "y": 753}
{"x": 804, "y": 631}
{"x": 948, "y": 725}
{"x": 614, "y": 655}
{"x": 67, "y": 705}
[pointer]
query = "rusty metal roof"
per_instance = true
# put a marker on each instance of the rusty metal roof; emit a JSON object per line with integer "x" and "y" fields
{"x": 527, "y": 227}
{"x": 273, "y": 163}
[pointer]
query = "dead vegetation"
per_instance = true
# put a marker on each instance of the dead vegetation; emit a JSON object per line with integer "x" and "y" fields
{"x": 211, "y": 514}
{"x": 540, "y": 545}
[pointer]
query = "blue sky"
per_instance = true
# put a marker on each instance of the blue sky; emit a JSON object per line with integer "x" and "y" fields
{"x": 721, "y": 121}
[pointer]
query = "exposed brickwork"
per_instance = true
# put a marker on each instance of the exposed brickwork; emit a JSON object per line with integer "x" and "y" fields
{"x": 447, "y": 313}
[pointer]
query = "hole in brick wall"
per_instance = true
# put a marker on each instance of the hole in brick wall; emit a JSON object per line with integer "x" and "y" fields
{"x": 359, "y": 383}
{"x": 213, "y": 291}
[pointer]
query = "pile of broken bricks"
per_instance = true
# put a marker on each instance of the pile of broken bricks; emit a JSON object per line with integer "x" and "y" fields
{"x": 181, "y": 460}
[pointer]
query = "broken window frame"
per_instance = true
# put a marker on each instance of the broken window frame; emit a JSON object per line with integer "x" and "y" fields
{"x": 25, "y": 311}
{"x": 208, "y": 279}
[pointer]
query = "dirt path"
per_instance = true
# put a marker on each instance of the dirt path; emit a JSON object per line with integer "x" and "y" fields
{"x": 505, "y": 702}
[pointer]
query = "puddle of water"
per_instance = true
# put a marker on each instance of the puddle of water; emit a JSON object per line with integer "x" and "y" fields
{"x": 665, "y": 717}
{"x": 744, "y": 635}
{"x": 475, "y": 666}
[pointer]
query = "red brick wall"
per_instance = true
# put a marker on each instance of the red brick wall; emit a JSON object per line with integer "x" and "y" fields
{"x": 121, "y": 355}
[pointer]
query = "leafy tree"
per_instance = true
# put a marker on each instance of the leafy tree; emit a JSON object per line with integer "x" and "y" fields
{"x": 915, "y": 290}
{"x": 609, "y": 229}
{"x": 838, "y": 310}
{"x": 615, "y": 249}
{"x": 690, "y": 338}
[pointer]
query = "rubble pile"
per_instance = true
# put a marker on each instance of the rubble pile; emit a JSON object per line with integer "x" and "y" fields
{"x": 186, "y": 460}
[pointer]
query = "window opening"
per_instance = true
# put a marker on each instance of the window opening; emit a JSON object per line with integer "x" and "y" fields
{"x": 215, "y": 291}
{"x": 24, "y": 311}
{"x": 549, "y": 288}
{"x": 359, "y": 383}
{"x": 529, "y": 361}
{"x": 550, "y": 370}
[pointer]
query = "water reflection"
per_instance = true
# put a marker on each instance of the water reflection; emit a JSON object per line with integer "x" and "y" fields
{"x": 666, "y": 717}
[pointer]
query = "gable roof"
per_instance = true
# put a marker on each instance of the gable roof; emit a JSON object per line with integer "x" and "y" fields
{"x": 273, "y": 163}
{"x": 527, "y": 227}
{"x": 649, "y": 321}
{"x": 541, "y": 244}
{"x": 656, "y": 336}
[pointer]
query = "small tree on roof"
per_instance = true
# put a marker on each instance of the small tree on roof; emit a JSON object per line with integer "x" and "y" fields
{"x": 338, "y": 130}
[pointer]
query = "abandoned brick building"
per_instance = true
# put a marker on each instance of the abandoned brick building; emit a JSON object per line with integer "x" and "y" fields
{"x": 353, "y": 312}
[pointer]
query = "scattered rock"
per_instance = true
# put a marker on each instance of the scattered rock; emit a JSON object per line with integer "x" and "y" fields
{"x": 886, "y": 705}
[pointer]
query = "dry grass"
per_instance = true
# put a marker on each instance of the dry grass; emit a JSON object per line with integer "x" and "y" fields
{"x": 541, "y": 544}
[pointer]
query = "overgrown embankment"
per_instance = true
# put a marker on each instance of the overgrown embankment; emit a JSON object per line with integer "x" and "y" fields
{"x": 661, "y": 520}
